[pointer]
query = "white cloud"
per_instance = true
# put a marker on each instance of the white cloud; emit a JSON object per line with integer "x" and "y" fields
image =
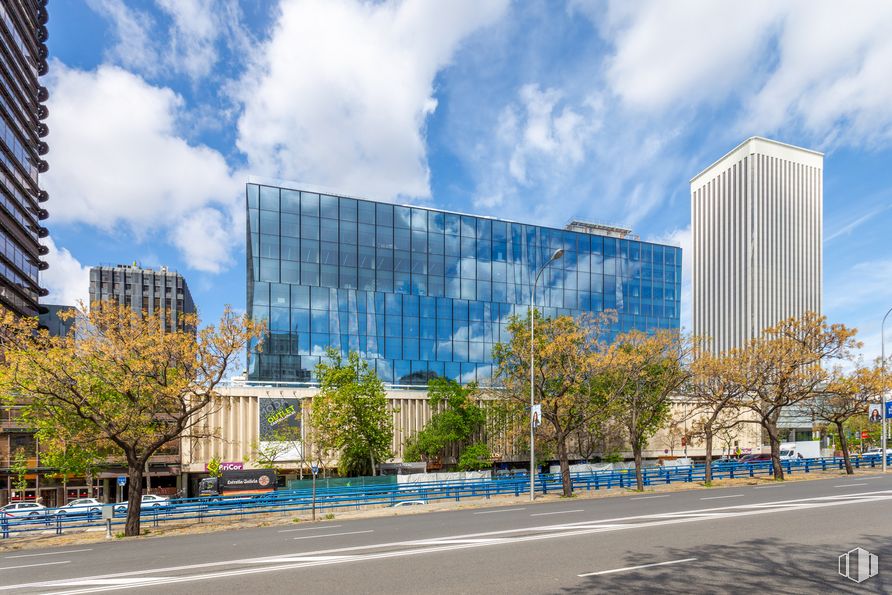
{"x": 205, "y": 237}
{"x": 539, "y": 137}
{"x": 544, "y": 131}
{"x": 67, "y": 280}
{"x": 684, "y": 51}
{"x": 132, "y": 28}
{"x": 833, "y": 74}
{"x": 188, "y": 44}
{"x": 117, "y": 159}
{"x": 815, "y": 66}
{"x": 193, "y": 35}
{"x": 340, "y": 93}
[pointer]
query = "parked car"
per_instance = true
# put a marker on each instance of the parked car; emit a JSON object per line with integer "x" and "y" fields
{"x": 81, "y": 506}
{"x": 755, "y": 458}
{"x": 410, "y": 503}
{"x": 148, "y": 501}
{"x": 24, "y": 509}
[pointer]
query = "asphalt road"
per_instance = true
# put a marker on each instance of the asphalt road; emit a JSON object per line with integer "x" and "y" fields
{"x": 783, "y": 538}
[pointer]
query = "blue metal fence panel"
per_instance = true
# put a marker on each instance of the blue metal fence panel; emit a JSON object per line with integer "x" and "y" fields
{"x": 358, "y": 496}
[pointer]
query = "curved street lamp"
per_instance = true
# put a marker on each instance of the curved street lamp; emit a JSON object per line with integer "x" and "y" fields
{"x": 559, "y": 253}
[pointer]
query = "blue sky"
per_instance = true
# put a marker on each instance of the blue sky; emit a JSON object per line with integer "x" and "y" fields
{"x": 533, "y": 111}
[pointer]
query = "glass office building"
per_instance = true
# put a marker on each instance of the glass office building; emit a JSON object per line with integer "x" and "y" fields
{"x": 23, "y": 59}
{"x": 422, "y": 293}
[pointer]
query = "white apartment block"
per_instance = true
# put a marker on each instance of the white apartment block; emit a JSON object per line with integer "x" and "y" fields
{"x": 756, "y": 225}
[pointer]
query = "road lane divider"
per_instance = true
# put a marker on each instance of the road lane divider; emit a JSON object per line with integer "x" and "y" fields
{"x": 47, "y": 554}
{"x": 311, "y": 528}
{"x": 639, "y": 567}
{"x": 34, "y": 565}
{"x": 721, "y": 497}
{"x": 649, "y": 497}
{"x": 500, "y": 510}
{"x": 557, "y": 512}
{"x": 335, "y": 534}
{"x": 851, "y": 485}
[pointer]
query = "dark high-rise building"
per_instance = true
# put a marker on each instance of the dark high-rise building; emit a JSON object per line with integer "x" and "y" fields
{"x": 162, "y": 292}
{"x": 23, "y": 56}
{"x": 421, "y": 293}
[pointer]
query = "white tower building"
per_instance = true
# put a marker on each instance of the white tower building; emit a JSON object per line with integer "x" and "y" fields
{"x": 757, "y": 217}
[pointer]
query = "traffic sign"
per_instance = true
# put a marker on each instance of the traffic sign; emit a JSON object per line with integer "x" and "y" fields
{"x": 314, "y": 468}
{"x": 122, "y": 480}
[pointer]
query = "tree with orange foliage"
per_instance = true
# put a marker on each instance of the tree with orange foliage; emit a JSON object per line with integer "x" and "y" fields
{"x": 785, "y": 366}
{"x": 716, "y": 393}
{"x": 639, "y": 373}
{"x": 121, "y": 379}
{"x": 566, "y": 356}
{"x": 845, "y": 395}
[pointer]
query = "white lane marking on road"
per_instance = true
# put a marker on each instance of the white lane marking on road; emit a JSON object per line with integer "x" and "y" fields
{"x": 720, "y": 497}
{"x": 33, "y": 565}
{"x": 873, "y": 477}
{"x": 117, "y": 582}
{"x": 311, "y": 528}
{"x": 335, "y": 534}
{"x": 769, "y": 487}
{"x": 647, "y": 497}
{"x": 627, "y": 568}
{"x": 298, "y": 559}
{"x": 47, "y": 554}
{"x": 850, "y": 485}
{"x": 562, "y": 530}
{"x": 557, "y": 512}
{"x": 502, "y": 510}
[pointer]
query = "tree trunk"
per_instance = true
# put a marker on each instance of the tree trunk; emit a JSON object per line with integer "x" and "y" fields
{"x": 844, "y": 446}
{"x": 639, "y": 476}
{"x": 564, "y": 459}
{"x": 134, "y": 498}
{"x": 707, "y": 469}
{"x": 771, "y": 428}
{"x": 372, "y": 458}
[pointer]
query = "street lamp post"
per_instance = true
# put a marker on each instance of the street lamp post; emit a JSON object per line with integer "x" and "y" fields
{"x": 555, "y": 256}
{"x": 883, "y": 369}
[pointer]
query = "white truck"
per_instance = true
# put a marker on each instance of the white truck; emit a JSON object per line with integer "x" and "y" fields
{"x": 803, "y": 449}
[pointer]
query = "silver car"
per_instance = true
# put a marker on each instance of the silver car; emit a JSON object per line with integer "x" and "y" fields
{"x": 24, "y": 510}
{"x": 81, "y": 506}
{"x": 148, "y": 501}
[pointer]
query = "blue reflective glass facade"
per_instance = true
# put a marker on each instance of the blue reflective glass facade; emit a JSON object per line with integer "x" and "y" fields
{"x": 420, "y": 292}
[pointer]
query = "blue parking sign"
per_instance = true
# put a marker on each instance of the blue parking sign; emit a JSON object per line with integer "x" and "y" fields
{"x": 122, "y": 480}
{"x": 888, "y": 409}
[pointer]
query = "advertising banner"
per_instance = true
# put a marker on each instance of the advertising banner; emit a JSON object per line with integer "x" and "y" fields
{"x": 255, "y": 480}
{"x": 874, "y": 412}
{"x": 279, "y": 420}
{"x": 537, "y": 415}
{"x": 280, "y": 430}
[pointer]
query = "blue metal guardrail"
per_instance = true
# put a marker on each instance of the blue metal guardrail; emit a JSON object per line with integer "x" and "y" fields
{"x": 201, "y": 510}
